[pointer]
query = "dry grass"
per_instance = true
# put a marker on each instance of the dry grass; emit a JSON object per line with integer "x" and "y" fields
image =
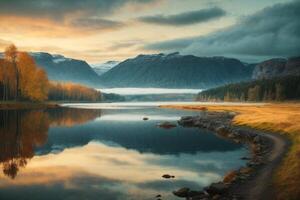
{"x": 278, "y": 118}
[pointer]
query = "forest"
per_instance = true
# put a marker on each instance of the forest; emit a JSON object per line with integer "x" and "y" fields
{"x": 275, "y": 89}
{"x": 22, "y": 80}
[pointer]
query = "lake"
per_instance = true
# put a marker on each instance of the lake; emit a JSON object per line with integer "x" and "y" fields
{"x": 107, "y": 151}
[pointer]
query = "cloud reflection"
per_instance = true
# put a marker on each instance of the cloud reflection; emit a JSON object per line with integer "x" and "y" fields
{"x": 98, "y": 170}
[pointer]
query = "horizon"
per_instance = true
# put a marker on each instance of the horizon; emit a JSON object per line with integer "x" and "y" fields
{"x": 100, "y": 31}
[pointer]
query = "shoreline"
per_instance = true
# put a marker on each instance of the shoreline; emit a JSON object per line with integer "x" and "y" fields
{"x": 253, "y": 181}
{"x": 27, "y": 105}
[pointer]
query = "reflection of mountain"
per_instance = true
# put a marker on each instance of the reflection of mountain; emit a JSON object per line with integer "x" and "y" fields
{"x": 21, "y": 132}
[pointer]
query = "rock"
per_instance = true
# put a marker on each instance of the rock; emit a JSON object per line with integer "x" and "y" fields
{"x": 216, "y": 188}
{"x": 246, "y": 170}
{"x": 186, "y": 118}
{"x": 201, "y": 197}
{"x": 216, "y": 197}
{"x": 230, "y": 177}
{"x": 232, "y": 114}
{"x": 237, "y": 141}
{"x": 182, "y": 192}
{"x": 166, "y": 125}
{"x": 167, "y": 176}
{"x": 158, "y": 196}
{"x": 145, "y": 118}
{"x": 257, "y": 139}
{"x": 223, "y": 130}
{"x": 193, "y": 193}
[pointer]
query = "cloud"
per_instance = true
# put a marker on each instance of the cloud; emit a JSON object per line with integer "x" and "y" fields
{"x": 186, "y": 18}
{"x": 124, "y": 44}
{"x": 96, "y": 24}
{"x": 57, "y": 9}
{"x": 75, "y": 17}
{"x": 271, "y": 32}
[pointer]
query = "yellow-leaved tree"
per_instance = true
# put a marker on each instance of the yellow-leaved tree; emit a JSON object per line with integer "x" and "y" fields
{"x": 34, "y": 83}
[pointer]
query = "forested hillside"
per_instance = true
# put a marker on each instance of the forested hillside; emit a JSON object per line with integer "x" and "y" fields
{"x": 276, "y": 89}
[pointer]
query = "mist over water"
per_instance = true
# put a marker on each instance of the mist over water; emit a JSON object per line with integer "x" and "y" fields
{"x": 148, "y": 91}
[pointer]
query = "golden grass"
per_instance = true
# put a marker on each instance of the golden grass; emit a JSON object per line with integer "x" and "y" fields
{"x": 279, "y": 118}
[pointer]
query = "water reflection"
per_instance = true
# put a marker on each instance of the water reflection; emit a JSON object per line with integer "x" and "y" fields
{"x": 21, "y": 131}
{"x": 98, "y": 154}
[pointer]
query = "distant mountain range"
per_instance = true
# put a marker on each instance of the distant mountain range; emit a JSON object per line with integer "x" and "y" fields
{"x": 277, "y": 67}
{"x": 60, "y": 68}
{"x": 176, "y": 71}
{"x": 101, "y": 68}
{"x": 163, "y": 70}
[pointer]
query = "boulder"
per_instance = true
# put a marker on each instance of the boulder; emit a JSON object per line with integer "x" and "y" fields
{"x": 166, "y": 125}
{"x": 182, "y": 192}
{"x": 167, "y": 176}
{"x": 216, "y": 188}
{"x": 193, "y": 193}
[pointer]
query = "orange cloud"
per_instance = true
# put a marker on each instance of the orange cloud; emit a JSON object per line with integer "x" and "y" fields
{"x": 44, "y": 27}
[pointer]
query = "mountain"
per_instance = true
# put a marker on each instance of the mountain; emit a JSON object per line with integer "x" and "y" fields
{"x": 60, "y": 68}
{"x": 101, "y": 68}
{"x": 176, "y": 71}
{"x": 277, "y": 67}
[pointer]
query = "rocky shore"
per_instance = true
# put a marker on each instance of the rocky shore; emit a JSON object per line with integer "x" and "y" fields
{"x": 239, "y": 183}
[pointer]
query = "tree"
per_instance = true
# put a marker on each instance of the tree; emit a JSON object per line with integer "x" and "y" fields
{"x": 254, "y": 93}
{"x": 34, "y": 81}
{"x": 242, "y": 97}
{"x": 11, "y": 54}
{"x": 279, "y": 92}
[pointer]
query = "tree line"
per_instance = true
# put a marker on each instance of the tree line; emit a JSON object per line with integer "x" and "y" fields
{"x": 275, "y": 89}
{"x": 22, "y": 80}
{"x": 73, "y": 92}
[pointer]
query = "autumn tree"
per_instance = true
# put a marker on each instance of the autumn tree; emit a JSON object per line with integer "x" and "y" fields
{"x": 72, "y": 92}
{"x": 33, "y": 80}
{"x": 21, "y": 78}
{"x": 11, "y": 54}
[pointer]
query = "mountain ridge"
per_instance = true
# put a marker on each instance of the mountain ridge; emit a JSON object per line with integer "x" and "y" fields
{"x": 176, "y": 71}
{"x": 61, "y": 68}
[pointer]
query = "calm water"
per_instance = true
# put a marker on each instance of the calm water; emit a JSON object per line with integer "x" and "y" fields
{"x": 108, "y": 153}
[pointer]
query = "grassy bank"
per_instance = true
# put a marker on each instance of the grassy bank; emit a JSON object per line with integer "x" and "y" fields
{"x": 12, "y": 105}
{"x": 279, "y": 118}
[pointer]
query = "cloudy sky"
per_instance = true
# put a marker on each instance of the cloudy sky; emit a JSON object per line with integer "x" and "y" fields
{"x": 101, "y": 30}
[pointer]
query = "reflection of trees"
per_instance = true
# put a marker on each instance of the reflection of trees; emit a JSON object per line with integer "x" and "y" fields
{"x": 22, "y": 131}
{"x": 72, "y": 116}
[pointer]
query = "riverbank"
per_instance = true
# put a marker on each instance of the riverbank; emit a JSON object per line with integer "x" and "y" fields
{"x": 12, "y": 105}
{"x": 283, "y": 176}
